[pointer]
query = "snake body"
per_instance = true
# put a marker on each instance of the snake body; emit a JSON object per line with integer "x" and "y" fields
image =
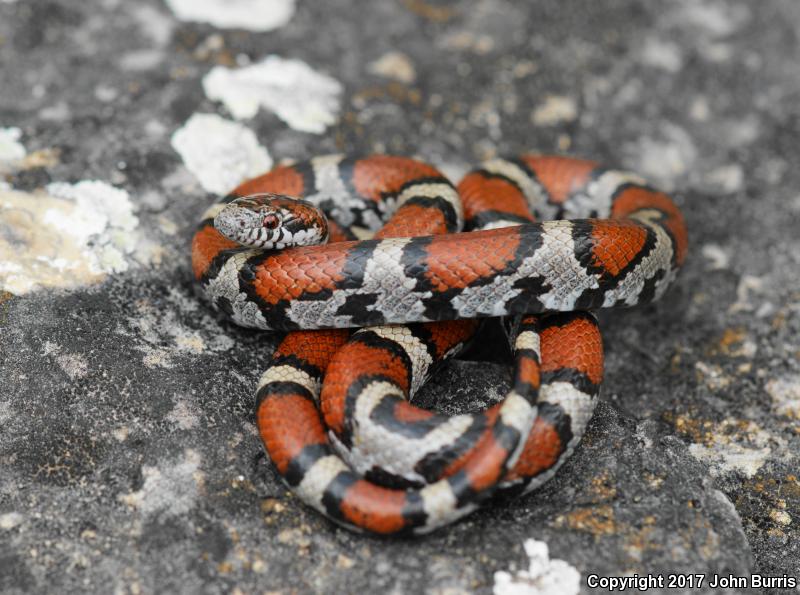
{"x": 333, "y": 408}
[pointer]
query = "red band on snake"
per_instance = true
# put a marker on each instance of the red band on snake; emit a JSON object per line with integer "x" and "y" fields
{"x": 436, "y": 469}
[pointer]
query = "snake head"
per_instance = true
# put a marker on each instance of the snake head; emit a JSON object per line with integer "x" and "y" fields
{"x": 272, "y": 221}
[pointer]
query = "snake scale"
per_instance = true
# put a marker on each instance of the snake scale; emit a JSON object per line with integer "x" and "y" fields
{"x": 549, "y": 240}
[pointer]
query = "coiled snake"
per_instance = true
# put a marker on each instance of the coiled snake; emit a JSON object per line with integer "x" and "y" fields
{"x": 332, "y": 407}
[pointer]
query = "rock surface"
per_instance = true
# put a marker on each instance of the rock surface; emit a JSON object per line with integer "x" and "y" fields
{"x": 129, "y": 458}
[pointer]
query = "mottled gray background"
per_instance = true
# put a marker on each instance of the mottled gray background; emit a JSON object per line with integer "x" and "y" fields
{"x": 128, "y": 456}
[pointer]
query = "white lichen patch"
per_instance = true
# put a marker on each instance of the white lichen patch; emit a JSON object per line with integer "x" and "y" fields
{"x": 252, "y": 15}
{"x": 394, "y": 65}
{"x": 555, "y": 109}
{"x": 712, "y": 375}
{"x": 70, "y": 235}
{"x": 153, "y": 23}
{"x": 220, "y": 153}
{"x": 141, "y": 60}
{"x": 700, "y": 108}
{"x": 717, "y": 257}
{"x": 542, "y": 577}
{"x": 170, "y": 489}
{"x": 747, "y": 291}
{"x": 661, "y": 53}
{"x": 664, "y": 158}
{"x": 183, "y": 415}
{"x": 10, "y": 520}
{"x": 102, "y": 218}
{"x": 726, "y": 179}
{"x": 736, "y": 133}
{"x": 73, "y": 365}
{"x": 11, "y": 150}
{"x": 780, "y": 516}
{"x": 5, "y": 411}
{"x": 715, "y": 18}
{"x": 305, "y": 99}
{"x": 736, "y": 446}
{"x": 479, "y": 43}
{"x": 785, "y": 393}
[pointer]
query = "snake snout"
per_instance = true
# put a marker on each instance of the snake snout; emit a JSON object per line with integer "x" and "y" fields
{"x": 237, "y": 223}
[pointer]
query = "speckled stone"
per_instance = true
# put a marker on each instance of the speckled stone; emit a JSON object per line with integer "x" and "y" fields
{"x": 130, "y": 461}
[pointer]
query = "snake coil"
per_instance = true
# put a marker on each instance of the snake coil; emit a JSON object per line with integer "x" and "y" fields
{"x": 551, "y": 239}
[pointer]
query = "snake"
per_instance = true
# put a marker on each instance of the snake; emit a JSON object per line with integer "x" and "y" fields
{"x": 551, "y": 239}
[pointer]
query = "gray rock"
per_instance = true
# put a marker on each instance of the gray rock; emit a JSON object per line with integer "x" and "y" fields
{"x": 129, "y": 457}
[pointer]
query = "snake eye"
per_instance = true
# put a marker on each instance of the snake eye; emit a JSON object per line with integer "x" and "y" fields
{"x": 271, "y": 221}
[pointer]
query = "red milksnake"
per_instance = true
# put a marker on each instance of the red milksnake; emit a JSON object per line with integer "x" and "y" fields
{"x": 360, "y": 453}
